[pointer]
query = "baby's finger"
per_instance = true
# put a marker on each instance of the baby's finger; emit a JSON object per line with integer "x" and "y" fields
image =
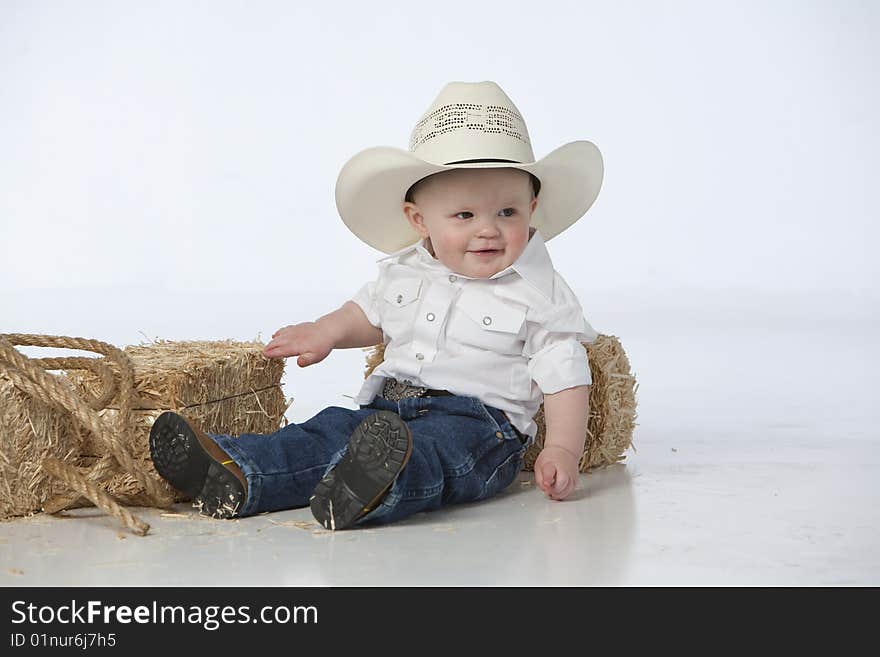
{"x": 569, "y": 488}
{"x": 561, "y": 483}
{"x": 548, "y": 474}
{"x": 283, "y": 348}
{"x": 539, "y": 478}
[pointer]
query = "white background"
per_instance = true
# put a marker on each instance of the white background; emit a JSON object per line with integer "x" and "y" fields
{"x": 167, "y": 171}
{"x": 167, "y": 168}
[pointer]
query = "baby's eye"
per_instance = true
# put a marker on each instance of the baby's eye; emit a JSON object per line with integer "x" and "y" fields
{"x": 512, "y": 211}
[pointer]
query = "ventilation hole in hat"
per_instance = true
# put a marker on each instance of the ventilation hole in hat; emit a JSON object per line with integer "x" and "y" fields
{"x": 468, "y": 116}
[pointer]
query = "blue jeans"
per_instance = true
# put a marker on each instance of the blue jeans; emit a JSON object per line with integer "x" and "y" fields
{"x": 463, "y": 450}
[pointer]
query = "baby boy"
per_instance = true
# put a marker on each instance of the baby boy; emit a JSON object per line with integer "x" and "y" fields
{"x": 479, "y": 329}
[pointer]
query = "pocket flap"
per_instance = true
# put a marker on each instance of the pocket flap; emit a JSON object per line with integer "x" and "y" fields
{"x": 402, "y": 291}
{"x": 491, "y": 313}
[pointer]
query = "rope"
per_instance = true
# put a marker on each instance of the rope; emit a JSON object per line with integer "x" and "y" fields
{"x": 101, "y": 499}
{"x": 28, "y": 375}
{"x": 108, "y": 383}
{"x": 100, "y": 471}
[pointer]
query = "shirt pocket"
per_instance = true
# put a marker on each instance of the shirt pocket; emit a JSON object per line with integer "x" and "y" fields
{"x": 400, "y": 299}
{"x": 484, "y": 321}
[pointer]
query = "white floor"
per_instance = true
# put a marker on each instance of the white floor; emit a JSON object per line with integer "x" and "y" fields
{"x": 757, "y": 462}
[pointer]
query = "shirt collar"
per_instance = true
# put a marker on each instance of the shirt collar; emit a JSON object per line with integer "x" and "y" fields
{"x": 533, "y": 264}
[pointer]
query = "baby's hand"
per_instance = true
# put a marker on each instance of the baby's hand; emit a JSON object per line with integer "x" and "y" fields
{"x": 556, "y": 472}
{"x": 305, "y": 340}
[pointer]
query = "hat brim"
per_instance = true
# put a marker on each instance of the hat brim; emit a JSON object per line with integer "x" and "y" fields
{"x": 371, "y": 186}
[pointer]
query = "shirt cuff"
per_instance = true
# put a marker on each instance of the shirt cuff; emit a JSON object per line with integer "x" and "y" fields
{"x": 560, "y": 365}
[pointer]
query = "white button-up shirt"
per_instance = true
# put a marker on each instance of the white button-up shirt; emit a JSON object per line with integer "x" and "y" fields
{"x": 506, "y": 340}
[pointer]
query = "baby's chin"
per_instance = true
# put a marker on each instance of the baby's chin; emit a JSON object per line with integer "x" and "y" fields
{"x": 472, "y": 267}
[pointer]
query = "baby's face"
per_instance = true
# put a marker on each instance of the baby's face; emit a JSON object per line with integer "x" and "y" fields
{"x": 477, "y": 219}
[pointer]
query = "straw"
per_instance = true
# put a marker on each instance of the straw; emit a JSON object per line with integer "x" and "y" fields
{"x": 82, "y": 436}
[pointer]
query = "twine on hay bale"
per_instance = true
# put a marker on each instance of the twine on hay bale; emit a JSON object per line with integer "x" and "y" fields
{"x": 192, "y": 377}
{"x": 611, "y": 422}
{"x": 82, "y": 438}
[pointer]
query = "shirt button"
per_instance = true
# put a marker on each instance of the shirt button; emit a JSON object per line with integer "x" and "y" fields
{"x": 399, "y": 298}
{"x": 430, "y": 317}
{"x": 420, "y": 356}
{"x": 487, "y": 320}
{"x": 498, "y": 434}
{"x": 452, "y": 278}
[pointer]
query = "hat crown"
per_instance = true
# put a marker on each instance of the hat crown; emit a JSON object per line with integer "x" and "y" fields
{"x": 471, "y": 121}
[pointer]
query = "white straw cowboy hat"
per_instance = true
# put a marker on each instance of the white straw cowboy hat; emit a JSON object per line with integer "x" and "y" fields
{"x": 470, "y": 125}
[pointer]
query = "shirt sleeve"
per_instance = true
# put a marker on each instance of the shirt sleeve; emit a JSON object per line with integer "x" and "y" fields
{"x": 366, "y": 299}
{"x": 560, "y": 362}
{"x": 557, "y": 357}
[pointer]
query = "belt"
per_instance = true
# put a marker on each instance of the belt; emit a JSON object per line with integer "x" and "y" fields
{"x": 394, "y": 390}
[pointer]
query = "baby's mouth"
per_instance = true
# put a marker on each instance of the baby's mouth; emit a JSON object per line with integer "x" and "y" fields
{"x": 486, "y": 253}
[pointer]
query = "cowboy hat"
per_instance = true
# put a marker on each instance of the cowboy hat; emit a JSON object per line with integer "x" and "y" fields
{"x": 470, "y": 125}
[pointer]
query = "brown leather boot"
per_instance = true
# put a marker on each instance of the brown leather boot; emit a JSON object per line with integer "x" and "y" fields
{"x": 197, "y": 466}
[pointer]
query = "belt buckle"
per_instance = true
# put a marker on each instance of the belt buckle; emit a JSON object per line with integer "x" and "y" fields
{"x": 394, "y": 390}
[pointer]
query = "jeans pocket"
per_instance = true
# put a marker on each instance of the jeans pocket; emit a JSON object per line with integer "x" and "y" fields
{"x": 505, "y": 474}
{"x": 499, "y": 423}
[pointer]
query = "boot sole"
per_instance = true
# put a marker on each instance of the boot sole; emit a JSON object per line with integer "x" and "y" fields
{"x": 378, "y": 450}
{"x": 180, "y": 458}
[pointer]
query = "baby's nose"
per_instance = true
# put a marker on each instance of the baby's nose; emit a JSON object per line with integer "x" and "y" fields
{"x": 488, "y": 228}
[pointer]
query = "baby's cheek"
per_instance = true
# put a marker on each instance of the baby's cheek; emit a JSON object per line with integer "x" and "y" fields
{"x": 448, "y": 247}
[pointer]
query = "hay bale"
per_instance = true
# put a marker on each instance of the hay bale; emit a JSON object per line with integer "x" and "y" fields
{"x": 224, "y": 387}
{"x": 612, "y": 417}
{"x": 29, "y": 431}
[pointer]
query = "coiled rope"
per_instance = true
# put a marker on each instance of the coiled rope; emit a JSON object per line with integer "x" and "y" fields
{"x": 30, "y": 376}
